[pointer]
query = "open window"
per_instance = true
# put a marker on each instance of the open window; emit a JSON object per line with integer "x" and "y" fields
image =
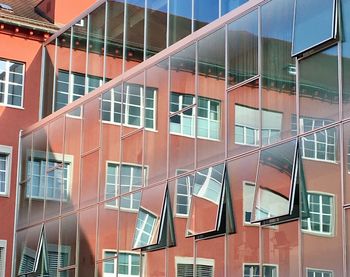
{"x": 34, "y": 258}
{"x": 280, "y": 185}
{"x": 315, "y": 25}
{"x": 154, "y": 225}
{"x": 211, "y": 208}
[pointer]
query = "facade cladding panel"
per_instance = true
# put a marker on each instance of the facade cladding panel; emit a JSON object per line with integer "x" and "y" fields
{"x": 221, "y": 156}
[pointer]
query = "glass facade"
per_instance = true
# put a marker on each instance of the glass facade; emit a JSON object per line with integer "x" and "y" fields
{"x": 223, "y": 156}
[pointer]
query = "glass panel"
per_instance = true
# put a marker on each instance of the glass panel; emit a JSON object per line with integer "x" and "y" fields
{"x": 244, "y": 123}
{"x": 51, "y": 231}
{"x": 346, "y": 162}
{"x": 26, "y": 156}
{"x": 229, "y": 5}
{"x": 206, "y": 200}
{"x": 49, "y": 78}
{"x": 134, "y": 39}
{"x": 68, "y": 239}
{"x": 210, "y": 263}
{"x": 309, "y": 14}
{"x": 319, "y": 95}
{"x": 72, "y": 151}
{"x": 114, "y": 44}
{"x": 63, "y": 91}
{"x": 275, "y": 182}
{"x": 58, "y": 173}
{"x": 211, "y": 98}
{"x": 180, "y": 24}
{"x": 96, "y": 42}
{"x": 107, "y": 230}
{"x": 87, "y": 242}
{"x": 155, "y": 142}
{"x": 242, "y": 41}
{"x": 67, "y": 273}
{"x": 241, "y": 177}
{"x": 321, "y": 227}
{"x": 36, "y": 188}
{"x": 91, "y": 125}
{"x": 182, "y": 124}
{"x": 278, "y": 71}
{"x": 345, "y": 27}
{"x": 150, "y": 217}
{"x": 153, "y": 264}
{"x": 89, "y": 178}
{"x": 205, "y": 12}
{"x": 156, "y": 26}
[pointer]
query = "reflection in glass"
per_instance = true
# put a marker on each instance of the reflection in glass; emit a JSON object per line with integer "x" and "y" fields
{"x": 229, "y": 5}
{"x": 242, "y": 43}
{"x": 276, "y": 182}
{"x": 210, "y": 202}
{"x": 309, "y": 14}
{"x": 180, "y": 23}
{"x": 205, "y": 12}
{"x": 319, "y": 92}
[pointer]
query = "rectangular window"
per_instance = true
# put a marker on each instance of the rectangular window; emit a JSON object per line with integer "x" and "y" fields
{"x": 145, "y": 226}
{"x": 208, "y": 116}
{"x": 318, "y": 146}
{"x": 253, "y": 270}
{"x": 130, "y": 180}
{"x": 11, "y": 83}
{"x": 247, "y": 126}
{"x": 321, "y": 214}
{"x": 185, "y": 267}
{"x": 5, "y": 169}
{"x": 184, "y": 187}
{"x": 128, "y": 264}
{"x": 309, "y": 14}
{"x": 318, "y": 273}
{"x": 248, "y": 199}
{"x": 2, "y": 257}
{"x": 71, "y": 87}
{"x": 49, "y": 180}
{"x": 138, "y": 108}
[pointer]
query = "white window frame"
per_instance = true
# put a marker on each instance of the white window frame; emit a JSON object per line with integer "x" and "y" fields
{"x": 115, "y": 262}
{"x": 189, "y": 192}
{"x": 191, "y": 261}
{"x": 7, "y": 151}
{"x": 251, "y": 204}
{"x": 205, "y": 189}
{"x": 52, "y": 157}
{"x": 141, "y": 231}
{"x": 113, "y": 203}
{"x": 192, "y": 117}
{"x": 3, "y": 245}
{"x": 316, "y": 142}
{"x": 7, "y": 83}
{"x": 125, "y": 105}
{"x": 322, "y": 271}
{"x": 332, "y": 215}
{"x": 208, "y": 119}
{"x": 258, "y": 265}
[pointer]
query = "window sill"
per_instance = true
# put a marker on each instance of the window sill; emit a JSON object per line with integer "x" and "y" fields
{"x": 5, "y": 195}
{"x": 318, "y": 234}
{"x": 129, "y": 126}
{"x": 11, "y": 106}
{"x": 319, "y": 160}
{"x": 193, "y": 137}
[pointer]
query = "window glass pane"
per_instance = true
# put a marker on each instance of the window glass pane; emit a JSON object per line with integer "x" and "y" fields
{"x": 205, "y": 12}
{"x": 243, "y": 48}
{"x": 275, "y": 180}
{"x": 309, "y": 14}
{"x": 180, "y": 24}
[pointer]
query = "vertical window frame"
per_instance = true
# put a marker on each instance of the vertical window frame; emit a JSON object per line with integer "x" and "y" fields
{"x": 6, "y": 151}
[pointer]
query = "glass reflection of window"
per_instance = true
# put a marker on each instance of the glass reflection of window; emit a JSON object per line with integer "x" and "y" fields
{"x": 144, "y": 228}
{"x": 247, "y": 126}
{"x": 184, "y": 187}
{"x": 320, "y": 218}
{"x": 318, "y": 273}
{"x": 138, "y": 106}
{"x": 318, "y": 146}
{"x": 253, "y": 270}
{"x": 71, "y": 87}
{"x": 131, "y": 179}
{"x": 128, "y": 264}
{"x": 208, "y": 116}
{"x": 4, "y": 172}
{"x": 248, "y": 199}
{"x": 11, "y": 83}
{"x": 185, "y": 267}
{"x": 56, "y": 187}
{"x": 208, "y": 184}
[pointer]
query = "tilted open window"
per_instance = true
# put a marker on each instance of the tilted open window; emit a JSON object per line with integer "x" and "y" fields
{"x": 315, "y": 23}
{"x": 211, "y": 208}
{"x": 154, "y": 225}
{"x": 34, "y": 257}
{"x": 280, "y": 184}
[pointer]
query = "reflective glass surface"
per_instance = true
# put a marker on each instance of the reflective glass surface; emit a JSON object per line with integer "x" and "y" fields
{"x": 180, "y": 23}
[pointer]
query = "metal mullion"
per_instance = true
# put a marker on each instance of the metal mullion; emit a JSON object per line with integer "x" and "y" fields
{"x": 145, "y": 45}
{"x": 105, "y": 42}
{"x": 87, "y": 55}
